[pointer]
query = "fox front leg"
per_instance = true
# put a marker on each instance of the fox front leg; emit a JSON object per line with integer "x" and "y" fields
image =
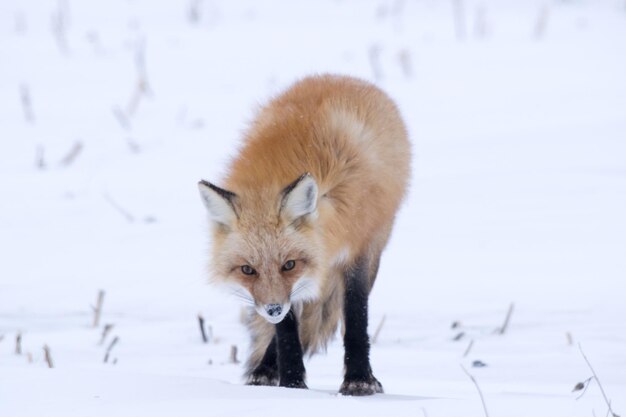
{"x": 290, "y": 363}
{"x": 358, "y": 379}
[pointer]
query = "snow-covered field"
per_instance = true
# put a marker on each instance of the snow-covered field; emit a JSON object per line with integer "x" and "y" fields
{"x": 110, "y": 112}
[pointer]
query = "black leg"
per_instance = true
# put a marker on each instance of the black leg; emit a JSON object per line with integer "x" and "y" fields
{"x": 266, "y": 373}
{"x": 290, "y": 363}
{"x": 358, "y": 379}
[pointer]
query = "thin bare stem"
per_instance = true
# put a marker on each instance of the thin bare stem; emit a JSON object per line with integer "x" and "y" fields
{"x": 129, "y": 217}
{"x": 606, "y": 399}
{"x": 110, "y": 348}
{"x": 233, "y": 354}
{"x": 378, "y": 329}
{"x": 18, "y": 344}
{"x": 507, "y": 319}
{"x": 72, "y": 154}
{"x": 458, "y": 10}
{"x": 482, "y": 399}
{"x": 202, "y": 330}
{"x": 27, "y": 104}
{"x": 97, "y": 310}
{"x": 469, "y": 347}
{"x": 105, "y": 332}
{"x": 47, "y": 356}
{"x": 374, "y": 57}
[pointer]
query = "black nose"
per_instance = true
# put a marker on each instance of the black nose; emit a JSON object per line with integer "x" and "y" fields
{"x": 274, "y": 309}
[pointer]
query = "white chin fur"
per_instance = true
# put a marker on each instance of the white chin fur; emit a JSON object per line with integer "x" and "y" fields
{"x": 271, "y": 319}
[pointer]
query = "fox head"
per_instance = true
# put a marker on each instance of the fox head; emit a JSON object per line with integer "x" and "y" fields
{"x": 266, "y": 244}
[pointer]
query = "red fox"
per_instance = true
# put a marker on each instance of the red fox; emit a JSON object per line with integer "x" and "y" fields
{"x": 306, "y": 210}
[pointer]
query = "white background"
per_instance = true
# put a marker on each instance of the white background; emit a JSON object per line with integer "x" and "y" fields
{"x": 517, "y": 115}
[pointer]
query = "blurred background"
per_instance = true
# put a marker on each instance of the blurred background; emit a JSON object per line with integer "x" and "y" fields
{"x": 110, "y": 112}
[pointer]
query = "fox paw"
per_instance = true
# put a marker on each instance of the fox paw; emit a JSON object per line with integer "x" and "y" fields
{"x": 264, "y": 377}
{"x": 360, "y": 388}
{"x": 294, "y": 384}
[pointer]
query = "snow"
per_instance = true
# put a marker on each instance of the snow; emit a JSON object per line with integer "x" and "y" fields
{"x": 518, "y": 196}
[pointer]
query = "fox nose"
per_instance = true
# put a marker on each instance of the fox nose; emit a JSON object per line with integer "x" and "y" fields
{"x": 273, "y": 310}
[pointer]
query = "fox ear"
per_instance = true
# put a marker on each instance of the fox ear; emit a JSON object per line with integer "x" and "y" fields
{"x": 299, "y": 198}
{"x": 219, "y": 202}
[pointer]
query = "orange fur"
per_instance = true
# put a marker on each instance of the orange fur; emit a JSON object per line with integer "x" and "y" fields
{"x": 349, "y": 136}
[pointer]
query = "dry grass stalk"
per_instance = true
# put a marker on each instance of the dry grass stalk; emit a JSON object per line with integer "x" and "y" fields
{"x": 458, "y": 10}
{"x": 121, "y": 118}
{"x": 29, "y": 357}
{"x": 110, "y": 348}
{"x": 374, "y": 57}
{"x": 72, "y": 154}
{"x": 60, "y": 22}
{"x": 480, "y": 22}
{"x": 105, "y": 332}
{"x": 507, "y": 319}
{"x": 405, "y": 63}
{"x": 233, "y": 354}
{"x": 142, "y": 87}
{"x": 202, "y": 331}
{"x": 379, "y": 328}
{"x": 595, "y": 376}
{"x": 193, "y": 13}
{"x": 570, "y": 338}
{"x": 20, "y": 23}
{"x": 469, "y": 347}
{"x": 47, "y": 357}
{"x": 40, "y": 161}
{"x": 129, "y": 217}
{"x": 480, "y": 393}
{"x": 27, "y": 104}
{"x": 97, "y": 310}
{"x": 18, "y": 344}
{"x": 541, "y": 24}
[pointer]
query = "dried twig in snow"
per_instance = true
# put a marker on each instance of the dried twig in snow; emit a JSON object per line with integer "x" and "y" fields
{"x": 129, "y": 217}
{"x": 97, "y": 310}
{"x": 202, "y": 331}
{"x": 60, "y": 22}
{"x": 405, "y": 63}
{"x": 541, "y": 24}
{"x": 469, "y": 347}
{"x": 459, "y": 19}
{"x": 507, "y": 319}
{"x": 105, "y": 332}
{"x": 40, "y": 162}
{"x": 47, "y": 357}
{"x": 72, "y": 154}
{"x": 18, "y": 344}
{"x": 482, "y": 399}
{"x": 379, "y": 328}
{"x": 110, "y": 348}
{"x": 233, "y": 354}
{"x": 27, "y": 104}
{"x": 374, "y": 56}
{"x": 121, "y": 118}
{"x": 595, "y": 376}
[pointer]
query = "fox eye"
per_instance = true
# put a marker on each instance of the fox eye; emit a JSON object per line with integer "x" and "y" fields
{"x": 248, "y": 270}
{"x": 289, "y": 265}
